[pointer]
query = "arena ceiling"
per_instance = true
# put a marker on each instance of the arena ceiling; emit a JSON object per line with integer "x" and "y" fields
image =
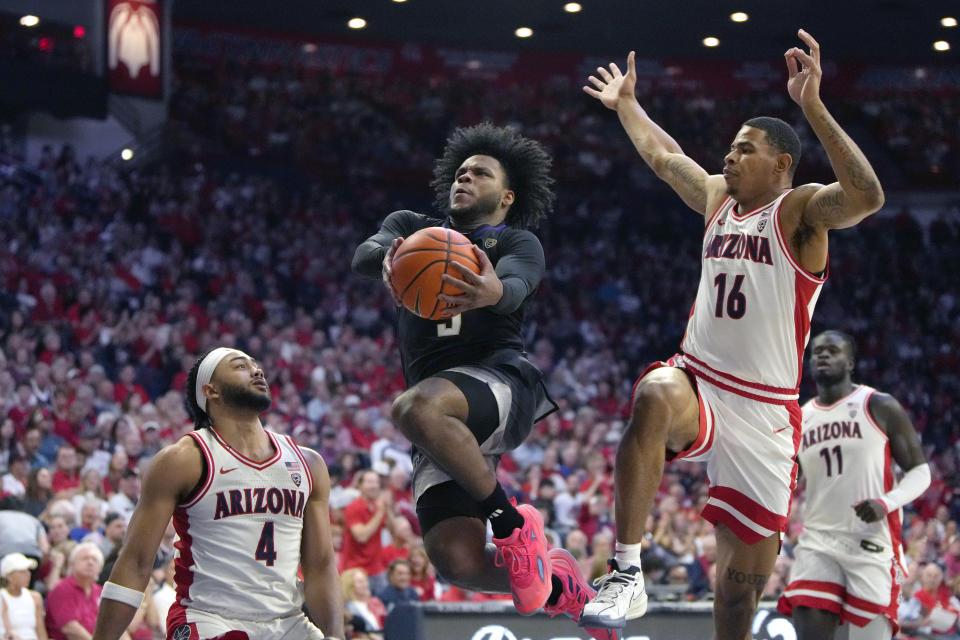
{"x": 863, "y": 30}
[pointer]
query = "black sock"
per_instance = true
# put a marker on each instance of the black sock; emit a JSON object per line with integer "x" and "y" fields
{"x": 503, "y": 516}
{"x": 557, "y": 590}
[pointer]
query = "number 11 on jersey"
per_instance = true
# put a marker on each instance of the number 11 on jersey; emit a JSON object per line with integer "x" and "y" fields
{"x": 450, "y": 327}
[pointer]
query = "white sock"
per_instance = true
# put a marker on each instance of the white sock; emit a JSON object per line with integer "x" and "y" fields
{"x": 628, "y": 555}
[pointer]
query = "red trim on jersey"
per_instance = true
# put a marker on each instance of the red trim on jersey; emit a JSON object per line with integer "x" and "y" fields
{"x": 183, "y": 569}
{"x": 786, "y": 251}
{"x": 205, "y": 450}
{"x": 817, "y": 585}
{"x": 700, "y": 364}
{"x": 796, "y": 421}
{"x": 743, "y": 216}
{"x": 804, "y": 292}
{"x": 750, "y": 508}
{"x": 713, "y": 217}
{"x": 250, "y": 462}
{"x": 866, "y": 411}
{"x": 816, "y": 404}
{"x": 787, "y": 603}
{"x": 303, "y": 461}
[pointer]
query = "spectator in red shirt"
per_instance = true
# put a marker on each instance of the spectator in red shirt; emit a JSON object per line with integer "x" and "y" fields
{"x": 364, "y": 520}
{"x": 73, "y": 604}
{"x": 127, "y": 385}
{"x": 403, "y": 539}
{"x": 934, "y": 593}
{"x": 422, "y": 575}
{"x": 66, "y": 479}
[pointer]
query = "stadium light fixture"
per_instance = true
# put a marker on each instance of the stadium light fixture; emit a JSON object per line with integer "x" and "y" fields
{"x": 523, "y": 32}
{"x": 948, "y": 21}
{"x": 572, "y": 7}
{"x": 941, "y": 45}
{"x": 127, "y": 154}
{"x": 739, "y": 16}
{"x": 356, "y": 23}
{"x": 29, "y": 20}
{"x": 711, "y": 41}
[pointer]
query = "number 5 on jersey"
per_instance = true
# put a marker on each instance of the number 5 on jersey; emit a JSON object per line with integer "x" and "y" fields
{"x": 450, "y": 327}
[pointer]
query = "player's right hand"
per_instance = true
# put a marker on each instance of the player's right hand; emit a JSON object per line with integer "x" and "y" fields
{"x": 387, "y": 269}
{"x": 612, "y": 86}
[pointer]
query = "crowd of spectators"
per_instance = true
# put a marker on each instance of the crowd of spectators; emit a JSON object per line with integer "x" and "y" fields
{"x": 113, "y": 281}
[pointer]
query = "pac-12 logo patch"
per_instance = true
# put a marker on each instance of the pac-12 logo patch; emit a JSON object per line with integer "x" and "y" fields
{"x": 761, "y": 224}
{"x": 296, "y": 478}
{"x": 182, "y": 632}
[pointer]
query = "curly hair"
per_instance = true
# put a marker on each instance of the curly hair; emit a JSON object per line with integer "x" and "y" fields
{"x": 200, "y": 417}
{"x": 525, "y": 162}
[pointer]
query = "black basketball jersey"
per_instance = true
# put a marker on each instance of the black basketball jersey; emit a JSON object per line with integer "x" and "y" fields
{"x": 486, "y": 335}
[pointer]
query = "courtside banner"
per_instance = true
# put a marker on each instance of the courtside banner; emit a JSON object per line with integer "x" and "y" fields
{"x": 135, "y": 47}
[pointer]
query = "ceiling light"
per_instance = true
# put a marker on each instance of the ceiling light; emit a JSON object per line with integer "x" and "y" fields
{"x": 356, "y": 23}
{"x": 941, "y": 45}
{"x": 523, "y": 32}
{"x": 710, "y": 41}
{"x": 29, "y": 20}
{"x": 739, "y": 16}
{"x": 399, "y": 0}
{"x": 948, "y": 21}
{"x": 127, "y": 154}
{"x": 572, "y": 7}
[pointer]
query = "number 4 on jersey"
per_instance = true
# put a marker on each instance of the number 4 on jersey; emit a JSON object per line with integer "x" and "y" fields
{"x": 265, "y": 550}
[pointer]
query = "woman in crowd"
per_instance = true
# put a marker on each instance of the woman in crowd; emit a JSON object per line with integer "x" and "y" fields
{"x": 23, "y": 607}
{"x": 39, "y": 492}
{"x": 421, "y": 573}
{"x": 366, "y": 612}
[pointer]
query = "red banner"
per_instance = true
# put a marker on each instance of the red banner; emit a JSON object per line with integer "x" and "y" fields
{"x": 135, "y": 47}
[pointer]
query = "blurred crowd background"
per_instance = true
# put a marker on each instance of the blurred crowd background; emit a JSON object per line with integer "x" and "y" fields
{"x": 114, "y": 280}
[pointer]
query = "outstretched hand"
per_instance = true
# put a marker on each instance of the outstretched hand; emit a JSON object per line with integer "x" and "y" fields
{"x": 612, "y": 86}
{"x": 803, "y": 85}
{"x": 479, "y": 289}
{"x": 386, "y": 271}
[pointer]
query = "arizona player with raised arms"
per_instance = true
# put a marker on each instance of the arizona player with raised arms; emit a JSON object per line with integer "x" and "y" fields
{"x": 730, "y": 397}
{"x": 248, "y": 506}
{"x": 849, "y": 553}
{"x": 472, "y": 394}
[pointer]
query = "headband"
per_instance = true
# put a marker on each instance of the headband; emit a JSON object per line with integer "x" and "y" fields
{"x": 205, "y": 371}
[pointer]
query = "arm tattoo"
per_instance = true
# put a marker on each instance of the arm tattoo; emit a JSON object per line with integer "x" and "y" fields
{"x": 686, "y": 182}
{"x": 852, "y": 164}
{"x": 833, "y": 204}
{"x": 758, "y": 580}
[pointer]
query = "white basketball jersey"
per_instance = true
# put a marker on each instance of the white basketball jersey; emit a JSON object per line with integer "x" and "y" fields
{"x": 751, "y": 319}
{"x": 845, "y": 458}
{"x": 239, "y": 537}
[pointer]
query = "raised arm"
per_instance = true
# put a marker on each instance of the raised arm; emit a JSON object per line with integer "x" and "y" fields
{"x": 321, "y": 583}
{"x": 173, "y": 473}
{"x": 857, "y": 192}
{"x": 699, "y": 190}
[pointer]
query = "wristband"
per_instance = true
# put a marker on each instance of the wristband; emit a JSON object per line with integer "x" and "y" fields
{"x": 120, "y": 593}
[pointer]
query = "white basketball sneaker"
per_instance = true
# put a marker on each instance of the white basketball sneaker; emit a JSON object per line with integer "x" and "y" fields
{"x": 621, "y": 596}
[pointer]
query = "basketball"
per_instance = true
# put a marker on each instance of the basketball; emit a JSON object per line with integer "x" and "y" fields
{"x": 421, "y": 261}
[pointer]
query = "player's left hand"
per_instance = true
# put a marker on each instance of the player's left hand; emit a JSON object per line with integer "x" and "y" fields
{"x": 479, "y": 290}
{"x": 870, "y": 510}
{"x": 803, "y": 85}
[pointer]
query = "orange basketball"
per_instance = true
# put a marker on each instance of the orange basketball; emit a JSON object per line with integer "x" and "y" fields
{"x": 419, "y": 264}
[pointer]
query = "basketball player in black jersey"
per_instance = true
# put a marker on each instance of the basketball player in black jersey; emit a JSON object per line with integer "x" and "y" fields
{"x": 472, "y": 395}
